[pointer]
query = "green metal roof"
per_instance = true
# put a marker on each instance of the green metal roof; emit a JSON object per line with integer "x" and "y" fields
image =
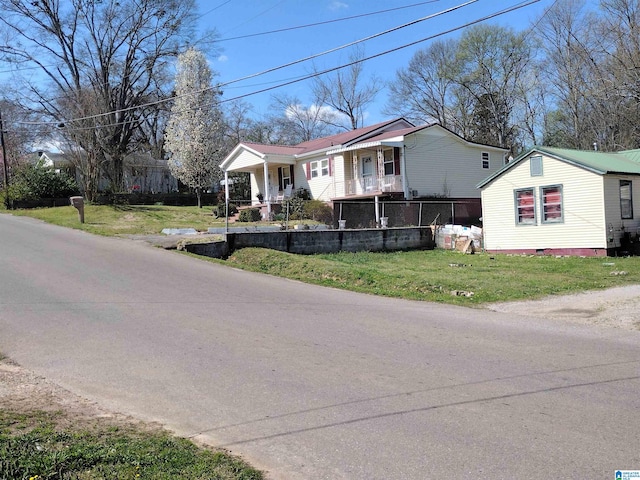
{"x": 626, "y": 162}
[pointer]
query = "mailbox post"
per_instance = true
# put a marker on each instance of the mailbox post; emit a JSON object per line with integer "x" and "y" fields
{"x": 78, "y": 203}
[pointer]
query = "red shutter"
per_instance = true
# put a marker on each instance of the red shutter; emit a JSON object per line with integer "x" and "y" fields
{"x": 330, "y": 166}
{"x": 307, "y": 169}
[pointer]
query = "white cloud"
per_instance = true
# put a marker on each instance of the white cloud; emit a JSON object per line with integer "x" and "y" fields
{"x": 337, "y": 5}
{"x": 223, "y": 58}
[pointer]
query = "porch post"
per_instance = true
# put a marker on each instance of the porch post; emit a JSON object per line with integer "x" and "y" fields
{"x": 226, "y": 202}
{"x": 377, "y": 206}
{"x": 266, "y": 187}
{"x": 380, "y": 172}
{"x": 403, "y": 166}
{"x": 354, "y": 162}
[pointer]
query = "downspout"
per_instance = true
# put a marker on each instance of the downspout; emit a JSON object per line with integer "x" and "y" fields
{"x": 266, "y": 188}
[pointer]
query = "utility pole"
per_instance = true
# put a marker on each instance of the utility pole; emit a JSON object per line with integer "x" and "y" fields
{"x": 7, "y": 201}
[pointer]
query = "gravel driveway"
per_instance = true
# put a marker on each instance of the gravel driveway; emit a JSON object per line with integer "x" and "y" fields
{"x": 616, "y": 307}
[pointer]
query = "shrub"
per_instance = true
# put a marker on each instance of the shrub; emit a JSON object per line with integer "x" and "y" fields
{"x": 301, "y": 193}
{"x": 295, "y": 205}
{"x": 32, "y": 182}
{"x": 318, "y": 211}
{"x": 219, "y": 209}
{"x": 250, "y": 215}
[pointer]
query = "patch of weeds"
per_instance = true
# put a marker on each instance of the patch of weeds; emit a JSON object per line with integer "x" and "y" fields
{"x": 32, "y": 446}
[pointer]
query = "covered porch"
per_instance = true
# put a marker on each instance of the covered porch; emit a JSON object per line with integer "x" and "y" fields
{"x": 271, "y": 174}
{"x": 372, "y": 169}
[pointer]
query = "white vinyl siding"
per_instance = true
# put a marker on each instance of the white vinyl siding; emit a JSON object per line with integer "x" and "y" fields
{"x": 321, "y": 186}
{"x": 583, "y": 224}
{"x": 439, "y": 163}
{"x": 247, "y": 159}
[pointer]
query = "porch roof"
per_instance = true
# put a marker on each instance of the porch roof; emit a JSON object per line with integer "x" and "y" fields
{"x": 265, "y": 153}
{"x": 386, "y": 138}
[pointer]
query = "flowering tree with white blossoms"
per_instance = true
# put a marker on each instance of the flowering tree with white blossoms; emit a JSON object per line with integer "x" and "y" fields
{"x": 194, "y": 137}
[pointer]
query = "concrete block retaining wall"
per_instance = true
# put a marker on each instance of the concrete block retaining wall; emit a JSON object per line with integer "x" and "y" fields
{"x": 308, "y": 242}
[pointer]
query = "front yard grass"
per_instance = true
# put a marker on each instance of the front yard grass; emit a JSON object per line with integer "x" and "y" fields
{"x": 127, "y": 219}
{"x": 445, "y": 276}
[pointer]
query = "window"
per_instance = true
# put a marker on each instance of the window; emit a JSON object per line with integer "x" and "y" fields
{"x": 320, "y": 168}
{"x": 626, "y": 199}
{"x": 535, "y": 166}
{"x": 525, "y": 207}
{"x": 285, "y": 177}
{"x": 485, "y": 159}
{"x": 389, "y": 168}
{"x": 551, "y": 204}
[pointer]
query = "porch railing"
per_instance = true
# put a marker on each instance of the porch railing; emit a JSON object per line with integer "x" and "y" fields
{"x": 370, "y": 184}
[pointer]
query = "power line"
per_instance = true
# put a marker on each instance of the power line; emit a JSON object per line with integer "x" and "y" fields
{"x": 306, "y": 77}
{"x": 280, "y": 67}
{"x": 329, "y": 70}
{"x": 298, "y": 27}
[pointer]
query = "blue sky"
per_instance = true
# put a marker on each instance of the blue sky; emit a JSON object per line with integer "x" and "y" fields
{"x": 240, "y": 57}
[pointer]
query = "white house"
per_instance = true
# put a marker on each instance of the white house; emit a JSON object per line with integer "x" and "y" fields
{"x": 393, "y": 158}
{"x": 142, "y": 172}
{"x": 561, "y": 201}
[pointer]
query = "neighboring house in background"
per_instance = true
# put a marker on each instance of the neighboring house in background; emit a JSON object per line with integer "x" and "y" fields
{"x": 394, "y": 159}
{"x": 561, "y": 201}
{"x": 145, "y": 174}
{"x": 142, "y": 172}
{"x": 56, "y": 161}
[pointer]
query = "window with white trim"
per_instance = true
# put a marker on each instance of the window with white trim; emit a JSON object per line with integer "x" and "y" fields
{"x": 320, "y": 168}
{"x": 285, "y": 177}
{"x": 626, "y": 199}
{"x": 485, "y": 160}
{"x": 551, "y": 198}
{"x": 389, "y": 167}
{"x": 525, "y": 204}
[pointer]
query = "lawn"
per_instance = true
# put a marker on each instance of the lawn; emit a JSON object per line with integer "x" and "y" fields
{"x": 127, "y": 219}
{"x": 445, "y": 276}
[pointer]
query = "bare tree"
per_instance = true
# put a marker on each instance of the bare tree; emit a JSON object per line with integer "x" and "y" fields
{"x": 194, "y": 137}
{"x": 423, "y": 92}
{"x": 347, "y": 92}
{"x": 568, "y": 70}
{"x": 298, "y": 123}
{"x": 490, "y": 62}
{"x": 114, "y": 51}
{"x": 618, "y": 33}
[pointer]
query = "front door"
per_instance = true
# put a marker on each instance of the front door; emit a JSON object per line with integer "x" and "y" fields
{"x": 367, "y": 173}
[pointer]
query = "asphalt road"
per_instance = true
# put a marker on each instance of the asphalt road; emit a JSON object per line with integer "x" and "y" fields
{"x": 315, "y": 383}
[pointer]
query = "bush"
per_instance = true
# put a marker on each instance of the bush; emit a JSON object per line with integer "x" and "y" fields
{"x": 32, "y": 182}
{"x": 250, "y": 215}
{"x": 301, "y": 193}
{"x": 318, "y": 211}
{"x": 219, "y": 209}
{"x": 295, "y": 205}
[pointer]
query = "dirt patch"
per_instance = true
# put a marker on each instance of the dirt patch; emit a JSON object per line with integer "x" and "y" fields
{"x": 24, "y": 392}
{"x": 615, "y": 308}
